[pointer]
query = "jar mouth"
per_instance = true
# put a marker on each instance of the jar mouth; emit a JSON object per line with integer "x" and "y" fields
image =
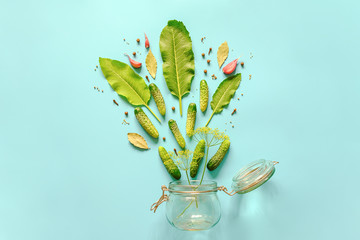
{"x": 183, "y": 185}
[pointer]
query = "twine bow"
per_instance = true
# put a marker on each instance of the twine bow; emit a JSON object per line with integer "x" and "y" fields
{"x": 164, "y": 197}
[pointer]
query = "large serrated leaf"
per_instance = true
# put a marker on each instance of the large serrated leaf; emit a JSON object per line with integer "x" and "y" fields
{"x": 151, "y": 64}
{"x": 126, "y": 82}
{"x": 224, "y": 93}
{"x": 222, "y": 53}
{"x": 137, "y": 140}
{"x": 178, "y": 59}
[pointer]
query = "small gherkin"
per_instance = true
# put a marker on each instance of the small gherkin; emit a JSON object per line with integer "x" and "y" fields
{"x": 176, "y": 132}
{"x": 197, "y": 156}
{"x": 190, "y": 121}
{"x": 204, "y": 95}
{"x": 219, "y": 155}
{"x": 145, "y": 122}
{"x": 171, "y": 167}
{"x": 159, "y": 100}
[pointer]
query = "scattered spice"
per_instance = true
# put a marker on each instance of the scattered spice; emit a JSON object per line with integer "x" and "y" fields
{"x": 213, "y": 77}
{"x": 147, "y": 78}
{"x": 115, "y": 102}
{"x": 251, "y": 56}
{"x": 102, "y": 91}
{"x": 125, "y": 122}
{"x": 242, "y": 64}
{"x": 242, "y": 94}
{"x": 94, "y": 87}
{"x": 175, "y": 151}
{"x": 164, "y": 138}
{"x": 202, "y": 39}
{"x": 249, "y": 76}
{"x": 126, "y": 113}
{"x": 232, "y": 126}
{"x": 173, "y": 108}
{"x": 208, "y": 61}
{"x": 233, "y": 112}
{"x": 238, "y": 98}
{"x": 134, "y": 53}
{"x": 138, "y": 40}
{"x": 124, "y": 39}
{"x": 97, "y": 66}
{"x": 203, "y": 54}
{"x": 210, "y": 49}
{"x": 95, "y": 69}
{"x": 205, "y": 71}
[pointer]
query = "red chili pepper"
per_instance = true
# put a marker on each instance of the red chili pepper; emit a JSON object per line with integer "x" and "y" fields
{"x": 147, "y": 44}
{"x": 228, "y": 69}
{"x": 134, "y": 63}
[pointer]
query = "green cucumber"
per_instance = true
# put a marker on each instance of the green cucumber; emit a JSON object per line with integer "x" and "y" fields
{"x": 219, "y": 155}
{"x": 190, "y": 121}
{"x": 159, "y": 100}
{"x": 197, "y": 156}
{"x": 171, "y": 167}
{"x": 176, "y": 132}
{"x": 204, "y": 95}
{"x": 145, "y": 122}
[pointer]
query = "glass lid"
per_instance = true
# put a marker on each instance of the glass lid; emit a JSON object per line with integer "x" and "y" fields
{"x": 253, "y": 175}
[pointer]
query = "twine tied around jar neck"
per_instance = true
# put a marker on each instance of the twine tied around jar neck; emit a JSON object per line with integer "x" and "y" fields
{"x": 164, "y": 197}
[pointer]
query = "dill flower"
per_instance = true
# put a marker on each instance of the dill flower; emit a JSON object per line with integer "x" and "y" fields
{"x": 211, "y": 136}
{"x": 182, "y": 159}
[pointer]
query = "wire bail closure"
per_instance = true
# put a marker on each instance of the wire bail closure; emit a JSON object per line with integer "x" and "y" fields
{"x": 164, "y": 197}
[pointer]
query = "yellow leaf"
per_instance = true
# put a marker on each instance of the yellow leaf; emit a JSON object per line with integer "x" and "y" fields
{"x": 151, "y": 64}
{"x": 137, "y": 140}
{"x": 222, "y": 53}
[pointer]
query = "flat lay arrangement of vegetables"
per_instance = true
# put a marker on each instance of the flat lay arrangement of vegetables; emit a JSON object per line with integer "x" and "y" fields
{"x": 178, "y": 65}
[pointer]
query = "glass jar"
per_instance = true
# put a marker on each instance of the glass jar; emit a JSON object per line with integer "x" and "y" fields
{"x": 193, "y": 207}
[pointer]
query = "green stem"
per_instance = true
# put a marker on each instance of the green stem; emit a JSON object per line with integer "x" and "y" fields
{"x": 152, "y": 113}
{"x": 209, "y": 119}
{"x": 188, "y": 178}
{"x": 180, "y": 106}
{"x": 207, "y": 155}
{"x": 185, "y": 209}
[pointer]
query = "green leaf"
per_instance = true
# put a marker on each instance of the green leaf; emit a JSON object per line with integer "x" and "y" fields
{"x": 126, "y": 82}
{"x": 224, "y": 93}
{"x": 178, "y": 59}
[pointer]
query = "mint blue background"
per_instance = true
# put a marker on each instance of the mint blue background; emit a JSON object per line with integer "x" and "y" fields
{"x": 68, "y": 172}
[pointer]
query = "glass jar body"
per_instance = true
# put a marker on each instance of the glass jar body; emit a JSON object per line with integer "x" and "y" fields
{"x": 193, "y": 207}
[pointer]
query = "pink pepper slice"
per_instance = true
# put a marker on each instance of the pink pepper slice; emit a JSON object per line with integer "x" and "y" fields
{"x": 230, "y": 67}
{"x": 134, "y": 63}
{"x": 147, "y": 44}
